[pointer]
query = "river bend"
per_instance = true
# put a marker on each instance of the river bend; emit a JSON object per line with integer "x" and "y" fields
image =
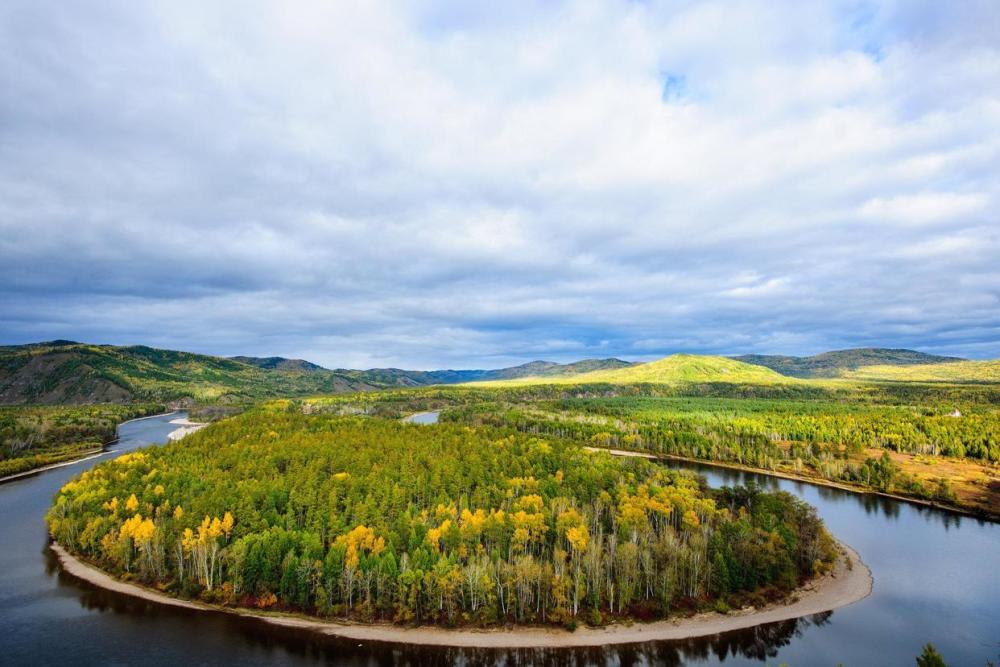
{"x": 937, "y": 578}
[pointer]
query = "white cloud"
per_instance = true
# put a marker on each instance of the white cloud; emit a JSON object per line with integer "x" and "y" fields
{"x": 924, "y": 208}
{"x": 415, "y": 184}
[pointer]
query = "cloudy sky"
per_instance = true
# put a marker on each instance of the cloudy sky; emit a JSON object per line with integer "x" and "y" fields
{"x": 426, "y": 184}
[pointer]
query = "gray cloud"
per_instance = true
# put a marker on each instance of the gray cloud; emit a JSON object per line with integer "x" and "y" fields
{"x": 413, "y": 185}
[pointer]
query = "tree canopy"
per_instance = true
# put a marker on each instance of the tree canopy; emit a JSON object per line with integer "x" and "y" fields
{"x": 373, "y": 519}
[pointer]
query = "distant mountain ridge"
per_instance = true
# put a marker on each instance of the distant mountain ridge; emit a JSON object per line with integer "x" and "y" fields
{"x": 62, "y": 371}
{"x": 66, "y": 372}
{"x": 839, "y": 363}
{"x": 546, "y": 369}
{"x": 396, "y": 376}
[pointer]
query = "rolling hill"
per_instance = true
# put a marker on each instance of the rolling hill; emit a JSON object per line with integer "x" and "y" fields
{"x": 279, "y": 363}
{"x": 675, "y": 369}
{"x": 954, "y": 372}
{"x": 66, "y": 372}
{"x": 396, "y": 377}
{"x": 549, "y": 369}
{"x": 63, "y": 372}
{"x": 839, "y": 363}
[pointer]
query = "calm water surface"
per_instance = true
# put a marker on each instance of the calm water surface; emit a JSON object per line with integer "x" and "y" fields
{"x": 423, "y": 418}
{"x": 937, "y": 578}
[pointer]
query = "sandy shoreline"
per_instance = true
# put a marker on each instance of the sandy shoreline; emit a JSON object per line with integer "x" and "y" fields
{"x": 840, "y": 588}
{"x": 187, "y": 427}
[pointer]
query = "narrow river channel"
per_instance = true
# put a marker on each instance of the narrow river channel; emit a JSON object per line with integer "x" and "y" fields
{"x": 937, "y": 578}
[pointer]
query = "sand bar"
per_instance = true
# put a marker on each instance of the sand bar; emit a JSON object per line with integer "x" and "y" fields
{"x": 187, "y": 427}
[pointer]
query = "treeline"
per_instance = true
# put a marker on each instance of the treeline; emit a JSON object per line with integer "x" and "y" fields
{"x": 928, "y": 429}
{"x": 35, "y": 436}
{"x": 862, "y": 418}
{"x": 390, "y": 402}
{"x": 373, "y": 519}
{"x": 830, "y": 441}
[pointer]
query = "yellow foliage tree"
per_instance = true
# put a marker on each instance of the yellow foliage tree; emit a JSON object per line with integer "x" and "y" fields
{"x": 359, "y": 540}
{"x": 579, "y": 539}
{"x": 204, "y": 547}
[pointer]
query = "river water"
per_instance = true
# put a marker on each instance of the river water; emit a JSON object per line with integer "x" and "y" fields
{"x": 422, "y": 418}
{"x": 937, "y": 578}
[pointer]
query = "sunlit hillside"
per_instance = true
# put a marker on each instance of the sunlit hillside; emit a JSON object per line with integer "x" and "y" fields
{"x": 955, "y": 372}
{"x": 675, "y": 369}
{"x": 837, "y": 362}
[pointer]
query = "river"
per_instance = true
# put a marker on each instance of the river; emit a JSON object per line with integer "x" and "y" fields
{"x": 937, "y": 578}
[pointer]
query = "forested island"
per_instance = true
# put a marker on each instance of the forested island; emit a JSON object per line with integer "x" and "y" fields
{"x": 370, "y": 519}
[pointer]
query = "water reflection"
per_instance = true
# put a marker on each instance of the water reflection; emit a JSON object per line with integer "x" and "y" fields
{"x": 872, "y": 504}
{"x": 758, "y": 644}
{"x": 935, "y": 580}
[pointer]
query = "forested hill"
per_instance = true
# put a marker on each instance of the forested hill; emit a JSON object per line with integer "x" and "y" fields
{"x": 66, "y": 372}
{"x": 279, "y": 363}
{"x": 839, "y": 362}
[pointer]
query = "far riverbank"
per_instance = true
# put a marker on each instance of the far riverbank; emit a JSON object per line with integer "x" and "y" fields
{"x": 84, "y": 455}
{"x": 976, "y": 513}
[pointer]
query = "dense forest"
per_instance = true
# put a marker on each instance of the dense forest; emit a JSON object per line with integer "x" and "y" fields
{"x": 31, "y": 437}
{"x": 773, "y": 421}
{"x": 373, "y": 519}
{"x": 847, "y": 442}
{"x": 902, "y": 439}
{"x": 847, "y": 427}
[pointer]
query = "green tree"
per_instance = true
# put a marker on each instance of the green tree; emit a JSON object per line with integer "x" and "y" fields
{"x": 930, "y": 657}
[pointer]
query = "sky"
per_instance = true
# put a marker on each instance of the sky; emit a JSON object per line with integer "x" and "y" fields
{"x": 476, "y": 184}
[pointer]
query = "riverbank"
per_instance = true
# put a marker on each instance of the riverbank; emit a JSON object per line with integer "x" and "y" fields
{"x": 79, "y": 457}
{"x": 849, "y": 581}
{"x": 187, "y": 427}
{"x": 139, "y": 419}
{"x": 976, "y": 513}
